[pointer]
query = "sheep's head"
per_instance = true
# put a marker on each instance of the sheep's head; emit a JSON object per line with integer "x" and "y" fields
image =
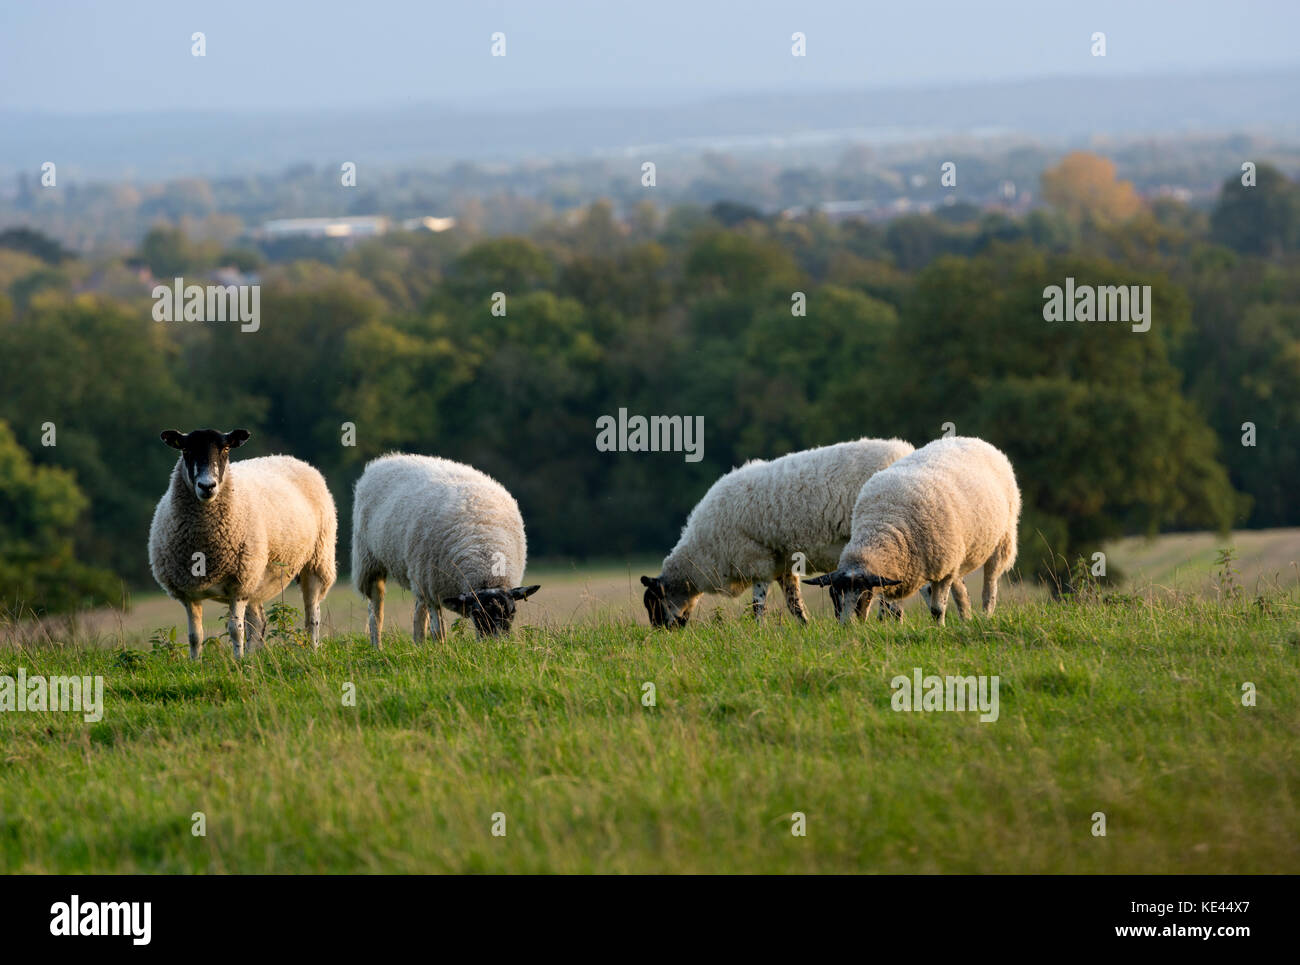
{"x": 668, "y": 603}
{"x": 205, "y": 456}
{"x": 846, "y": 586}
{"x": 491, "y": 610}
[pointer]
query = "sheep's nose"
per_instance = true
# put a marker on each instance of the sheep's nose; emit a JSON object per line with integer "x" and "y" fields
{"x": 207, "y": 488}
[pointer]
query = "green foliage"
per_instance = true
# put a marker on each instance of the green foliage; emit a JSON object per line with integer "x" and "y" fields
{"x": 162, "y": 643}
{"x": 281, "y": 625}
{"x": 169, "y": 253}
{"x": 39, "y": 571}
{"x": 1259, "y": 219}
{"x": 510, "y": 265}
{"x": 910, "y": 324}
{"x": 1060, "y": 396}
{"x": 105, "y": 375}
{"x": 34, "y": 243}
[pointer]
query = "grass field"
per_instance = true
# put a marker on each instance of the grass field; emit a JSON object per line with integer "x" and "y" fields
{"x": 1131, "y": 708}
{"x": 598, "y": 594}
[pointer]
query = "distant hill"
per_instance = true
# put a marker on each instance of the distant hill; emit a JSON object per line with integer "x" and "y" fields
{"x": 111, "y": 147}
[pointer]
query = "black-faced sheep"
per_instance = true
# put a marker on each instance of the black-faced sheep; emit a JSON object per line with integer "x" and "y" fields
{"x": 932, "y": 517}
{"x": 240, "y": 533}
{"x": 450, "y": 534}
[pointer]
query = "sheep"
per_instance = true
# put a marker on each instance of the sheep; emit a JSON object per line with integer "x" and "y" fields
{"x": 241, "y": 533}
{"x": 748, "y": 527}
{"x": 933, "y": 517}
{"x": 447, "y": 532}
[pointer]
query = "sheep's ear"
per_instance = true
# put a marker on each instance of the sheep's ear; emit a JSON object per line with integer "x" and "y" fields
{"x": 824, "y": 580}
{"x": 524, "y": 592}
{"x": 237, "y": 437}
{"x": 461, "y": 604}
{"x": 173, "y": 438}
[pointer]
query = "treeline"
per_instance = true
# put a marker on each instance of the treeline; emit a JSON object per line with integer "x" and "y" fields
{"x": 781, "y": 334}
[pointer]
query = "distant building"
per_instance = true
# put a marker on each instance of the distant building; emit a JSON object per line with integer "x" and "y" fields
{"x": 230, "y": 275}
{"x": 351, "y": 228}
{"x": 367, "y": 226}
{"x": 428, "y": 224}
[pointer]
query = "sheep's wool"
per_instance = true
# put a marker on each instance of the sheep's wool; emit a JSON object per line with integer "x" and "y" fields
{"x": 937, "y": 514}
{"x": 753, "y": 521}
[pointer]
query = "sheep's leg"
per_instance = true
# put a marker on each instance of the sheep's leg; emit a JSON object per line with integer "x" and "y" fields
{"x": 760, "y": 599}
{"x": 994, "y": 567}
{"x": 376, "y": 618}
{"x": 313, "y": 589}
{"x": 889, "y": 609}
{"x": 439, "y": 628}
{"x": 421, "y": 629}
{"x": 194, "y": 615}
{"x": 255, "y": 626}
{"x": 990, "y": 588}
{"x": 961, "y": 597}
{"x": 992, "y": 573}
{"x": 794, "y": 597}
{"x": 939, "y": 598}
{"x": 236, "y": 626}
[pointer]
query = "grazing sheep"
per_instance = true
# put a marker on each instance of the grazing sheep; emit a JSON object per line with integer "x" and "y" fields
{"x": 933, "y": 516}
{"x": 751, "y": 523}
{"x": 241, "y": 533}
{"x": 447, "y": 532}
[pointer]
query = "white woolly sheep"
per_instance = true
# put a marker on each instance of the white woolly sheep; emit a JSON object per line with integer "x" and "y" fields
{"x": 933, "y": 517}
{"x": 752, "y": 521}
{"x": 241, "y": 533}
{"x": 450, "y": 534}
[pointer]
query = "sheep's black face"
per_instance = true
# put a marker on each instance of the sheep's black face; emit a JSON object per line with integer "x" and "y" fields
{"x": 847, "y": 587}
{"x": 837, "y": 599}
{"x": 205, "y": 454}
{"x": 664, "y": 609}
{"x": 493, "y": 610}
{"x": 656, "y": 606}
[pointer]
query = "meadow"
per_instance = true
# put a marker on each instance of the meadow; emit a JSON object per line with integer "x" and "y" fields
{"x": 1123, "y": 703}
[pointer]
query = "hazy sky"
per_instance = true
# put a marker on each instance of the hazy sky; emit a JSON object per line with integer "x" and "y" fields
{"x": 74, "y": 56}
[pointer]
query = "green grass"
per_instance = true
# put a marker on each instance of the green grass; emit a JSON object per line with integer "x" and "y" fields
{"x": 1130, "y": 708}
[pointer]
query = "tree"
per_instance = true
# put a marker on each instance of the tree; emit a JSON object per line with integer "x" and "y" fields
{"x": 169, "y": 253}
{"x": 509, "y": 265}
{"x": 34, "y": 243}
{"x": 39, "y": 570}
{"x": 1091, "y": 414}
{"x": 105, "y": 376}
{"x": 1083, "y": 186}
{"x": 1263, "y": 219}
{"x": 1243, "y": 361}
{"x": 916, "y": 240}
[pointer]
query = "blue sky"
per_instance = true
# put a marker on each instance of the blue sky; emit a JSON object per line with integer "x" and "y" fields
{"x": 76, "y": 56}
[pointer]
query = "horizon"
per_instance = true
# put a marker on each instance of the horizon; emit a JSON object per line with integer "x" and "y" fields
{"x": 667, "y": 98}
